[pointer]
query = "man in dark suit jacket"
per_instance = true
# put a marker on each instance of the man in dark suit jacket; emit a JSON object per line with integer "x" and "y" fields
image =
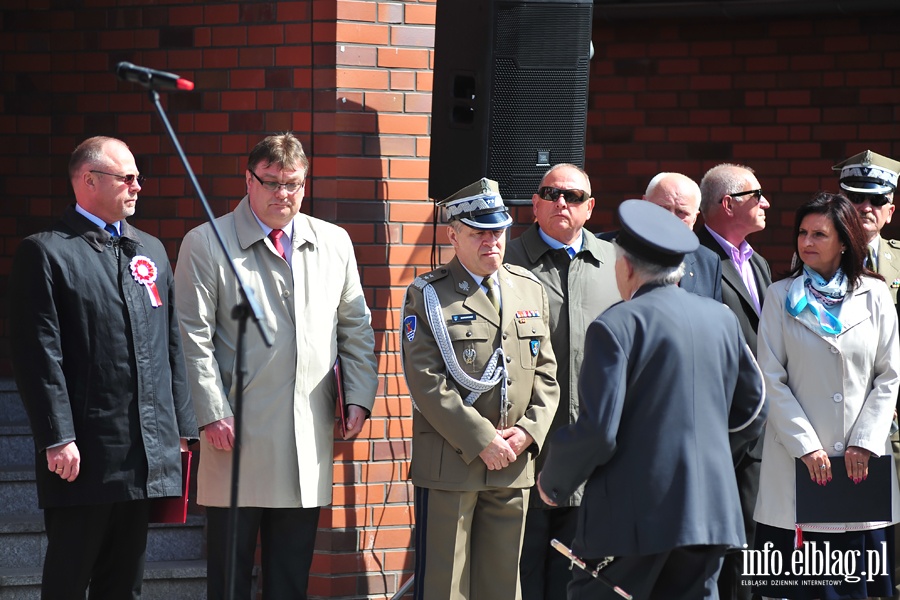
{"x": 680, "y": 195}
{"x": 98, "y": 362}
{"x": 652, "y": 420}
{"x": 734, "y": 207}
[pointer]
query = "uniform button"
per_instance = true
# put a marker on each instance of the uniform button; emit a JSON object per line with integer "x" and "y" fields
{"x": 505, "y": 335}
{"x": 509, "y": 359}
{"x": 834, "y": 350}
{"x": 837, "y": 397}
{"x": 468, "y": 334}
{"x": 286, "y": 293}
{"x": 533, "y": 330}
{"x": 459, "y": 451}
{"x": 509, "y": 382}
{"x": 839, "y": 446}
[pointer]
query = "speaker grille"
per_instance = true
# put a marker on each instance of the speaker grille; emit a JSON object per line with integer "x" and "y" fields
{"x": 539, "y": 93}
{"x": 523, "y": 69}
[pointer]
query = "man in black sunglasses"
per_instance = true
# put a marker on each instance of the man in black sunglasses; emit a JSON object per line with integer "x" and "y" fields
{"x": 869, "y": 180}
{"x": 578, "y": 272}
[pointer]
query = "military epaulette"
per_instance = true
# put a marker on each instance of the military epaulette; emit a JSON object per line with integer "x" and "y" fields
{"x": 521, "y": 272}
{"x": 422, "y": 280}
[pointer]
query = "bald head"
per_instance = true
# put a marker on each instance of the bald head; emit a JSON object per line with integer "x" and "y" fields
{"x": 676, "y": 193}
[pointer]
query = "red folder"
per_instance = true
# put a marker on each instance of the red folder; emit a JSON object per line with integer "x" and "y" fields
{"x": 173, "y": 509}
{"x": 340, "y": 410}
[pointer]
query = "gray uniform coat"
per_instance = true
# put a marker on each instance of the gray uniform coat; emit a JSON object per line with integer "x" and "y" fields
{"x": 666, "y": 376}
{"x": 578, "y": 290}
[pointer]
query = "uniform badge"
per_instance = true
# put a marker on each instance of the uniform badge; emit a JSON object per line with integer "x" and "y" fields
{"x": 464, "y": 286}
{"x": 535, "y": 346}
{"x": 469, "y": 355}
{"x": 409, "y": 327}
{"x": 895, "y": 283}
{"x": 527, "y": 314}
{"x": 468, "y": 317}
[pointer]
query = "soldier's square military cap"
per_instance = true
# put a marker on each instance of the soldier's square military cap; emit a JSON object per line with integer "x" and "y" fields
{"x": 478, "y": 205}
{"x": 869, "y": 173}
{"x": 652, "y": 233}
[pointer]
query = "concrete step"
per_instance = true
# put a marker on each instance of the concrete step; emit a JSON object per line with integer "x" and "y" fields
{"x": 18, "y": 494}
{"x": 23, "y": 543}
{"x": 16, "y": 445}
{"x": 12, "y": 411}
{"x": 169, "y": 580}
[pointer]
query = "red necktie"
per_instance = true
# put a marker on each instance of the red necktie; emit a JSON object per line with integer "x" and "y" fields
{"x": 275, "y": 236}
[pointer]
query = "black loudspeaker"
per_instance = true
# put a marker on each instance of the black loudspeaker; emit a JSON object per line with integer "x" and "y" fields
{"x": 510, "y": 92}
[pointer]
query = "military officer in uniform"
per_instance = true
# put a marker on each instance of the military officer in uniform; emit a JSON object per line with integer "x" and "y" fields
{"x": 869, "y": 180}
{"x": 666, "y": 377}
{"x": 482, "y": 376}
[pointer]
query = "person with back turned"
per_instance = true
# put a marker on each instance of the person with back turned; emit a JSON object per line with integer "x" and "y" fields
{"x": 667, "y": 376}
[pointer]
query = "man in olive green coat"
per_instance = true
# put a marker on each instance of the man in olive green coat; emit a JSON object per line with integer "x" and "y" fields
{"x": 578, "y": 273}
{"x": 481, "y": 373}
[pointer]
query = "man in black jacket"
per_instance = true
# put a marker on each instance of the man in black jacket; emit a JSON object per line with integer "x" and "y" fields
{"x": 97, "y": 357}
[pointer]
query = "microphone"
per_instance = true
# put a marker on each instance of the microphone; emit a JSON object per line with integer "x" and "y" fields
{"x": 151, "y": 78}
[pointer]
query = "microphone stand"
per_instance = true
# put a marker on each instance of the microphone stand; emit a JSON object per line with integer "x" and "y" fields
{"x": 246, "y": 308}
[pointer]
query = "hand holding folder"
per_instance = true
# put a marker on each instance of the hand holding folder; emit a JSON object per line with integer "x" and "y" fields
{"x": 341, "y": 409}
{"x": 841, "y": 500}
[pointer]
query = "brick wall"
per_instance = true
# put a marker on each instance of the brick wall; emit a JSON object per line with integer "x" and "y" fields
{"x": 786, "y": 96}
{"x": 789, "y": 96}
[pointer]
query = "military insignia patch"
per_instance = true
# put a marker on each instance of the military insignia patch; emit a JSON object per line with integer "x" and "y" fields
{"x": 469, "y": 355}
{"x": 464, "y": 286}
{"x": 409, "y": 327}
{"x": 535, "y": 346}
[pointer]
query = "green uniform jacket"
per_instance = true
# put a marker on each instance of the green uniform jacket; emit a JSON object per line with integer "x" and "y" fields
{"x": 448, "y": 435}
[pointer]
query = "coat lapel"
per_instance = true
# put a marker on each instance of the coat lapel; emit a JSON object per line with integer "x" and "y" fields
{"x": 689, "y": 280}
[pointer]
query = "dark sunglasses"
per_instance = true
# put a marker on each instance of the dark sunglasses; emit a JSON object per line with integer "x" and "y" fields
{"x": 126, "y": 179}
{"x": 753, "y": 193}
{"x": 552, "y": 194}
{"x": 874, "y": 199}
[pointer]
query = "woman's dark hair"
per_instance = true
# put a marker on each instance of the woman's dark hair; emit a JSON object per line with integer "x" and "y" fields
{"x": 847, "y": 224}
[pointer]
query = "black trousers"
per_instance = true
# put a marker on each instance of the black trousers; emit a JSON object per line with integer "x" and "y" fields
{"x": 102, "y": 545}
{"x": 288, "y": 539}
{"x": 545, "y": 573}
{"x": 687, "y": 573}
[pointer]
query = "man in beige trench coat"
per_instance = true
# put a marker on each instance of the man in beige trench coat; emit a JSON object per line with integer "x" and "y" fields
{"x": 303, "y": 273}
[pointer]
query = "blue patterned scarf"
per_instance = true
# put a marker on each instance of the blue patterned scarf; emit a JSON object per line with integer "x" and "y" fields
{"x": 812, "y": 291}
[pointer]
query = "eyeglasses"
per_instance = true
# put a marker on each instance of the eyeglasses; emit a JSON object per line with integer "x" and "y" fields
{"x": 878, "y": 200}
{"x": 552, "y": 194}
{"x": 126, "y": 179}
{"x": 753, "y": 193}
{"x": 272, "y": 186}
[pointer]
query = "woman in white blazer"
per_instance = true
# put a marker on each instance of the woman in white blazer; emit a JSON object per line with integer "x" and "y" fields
{"x": 828, "y": 349}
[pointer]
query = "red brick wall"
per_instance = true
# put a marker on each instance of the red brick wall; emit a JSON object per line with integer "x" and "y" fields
{"x": 789, "y": 96}
{"x": 786, "y": 96}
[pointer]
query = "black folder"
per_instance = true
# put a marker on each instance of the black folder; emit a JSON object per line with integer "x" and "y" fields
{"x": 841, "y": 500}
